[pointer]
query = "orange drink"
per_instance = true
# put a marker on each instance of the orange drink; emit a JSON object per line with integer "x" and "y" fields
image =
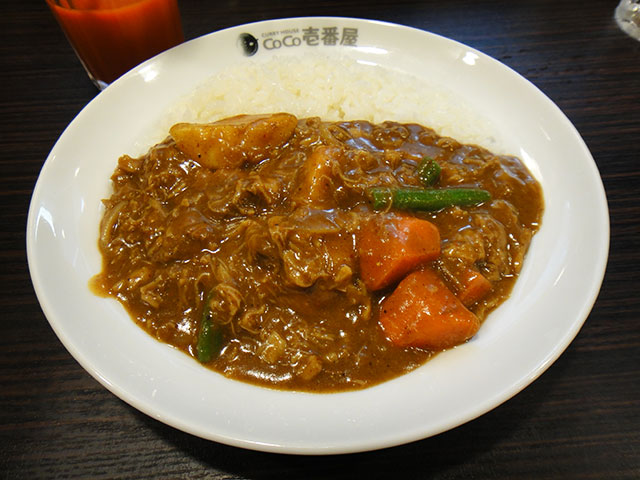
{"x": 112, "y": 36}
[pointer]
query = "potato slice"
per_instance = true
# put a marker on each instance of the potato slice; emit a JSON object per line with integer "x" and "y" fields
{"x": 231, "y": 142}
{"x": 315, "y": 179}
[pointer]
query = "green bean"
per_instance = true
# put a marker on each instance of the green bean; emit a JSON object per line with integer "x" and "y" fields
{"x": 210, "y": 337}
{"x": 429, "y": 172}
{"x": 426, "y": 199}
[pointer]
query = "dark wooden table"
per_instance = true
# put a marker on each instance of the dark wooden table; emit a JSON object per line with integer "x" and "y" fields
{"x": 581, "y": 419}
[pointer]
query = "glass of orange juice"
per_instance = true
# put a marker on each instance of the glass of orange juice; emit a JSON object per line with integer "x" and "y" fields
{"x": 112, "y": 36}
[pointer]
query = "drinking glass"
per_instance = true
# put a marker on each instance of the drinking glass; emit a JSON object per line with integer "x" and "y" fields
{"x": 627, "y": 15}
{"x": 112, "y": 36}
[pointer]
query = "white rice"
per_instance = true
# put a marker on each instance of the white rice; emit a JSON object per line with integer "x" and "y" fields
{"x": 333, "y": 89}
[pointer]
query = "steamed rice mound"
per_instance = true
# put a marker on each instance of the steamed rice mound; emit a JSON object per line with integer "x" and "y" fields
{"x": 333, "y": 89}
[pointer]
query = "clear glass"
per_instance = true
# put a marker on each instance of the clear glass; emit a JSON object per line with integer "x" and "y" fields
{"x": 627, "y": 16}
{"x": 111, "y": 37}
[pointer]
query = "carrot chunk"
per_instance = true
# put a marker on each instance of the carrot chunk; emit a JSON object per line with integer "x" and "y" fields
{"x": 475, "y": 287}
{"x": 423, "y": 312}
{"x": 392, "y": 246}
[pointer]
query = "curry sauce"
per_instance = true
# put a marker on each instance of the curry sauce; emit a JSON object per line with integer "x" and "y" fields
{"x": 255, "y": 224}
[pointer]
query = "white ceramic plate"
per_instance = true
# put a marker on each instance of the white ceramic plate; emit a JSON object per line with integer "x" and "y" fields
{"x": 553, "y": 297}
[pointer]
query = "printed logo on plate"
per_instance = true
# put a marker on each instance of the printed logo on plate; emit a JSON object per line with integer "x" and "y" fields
{"x": 294, "y": 37}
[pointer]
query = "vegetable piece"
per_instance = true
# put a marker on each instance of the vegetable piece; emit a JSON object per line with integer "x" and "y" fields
{"x": 422, "y": 312}
{"x": 474, "y": 287}
{"x": 429, "y": 172}
{"x": 315, "y": 183}
{"x": 210, "y": 337}
{"x": 390, "y": 247}
{"x": 231, "y": 142}
{"x": 426, "y": 199}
